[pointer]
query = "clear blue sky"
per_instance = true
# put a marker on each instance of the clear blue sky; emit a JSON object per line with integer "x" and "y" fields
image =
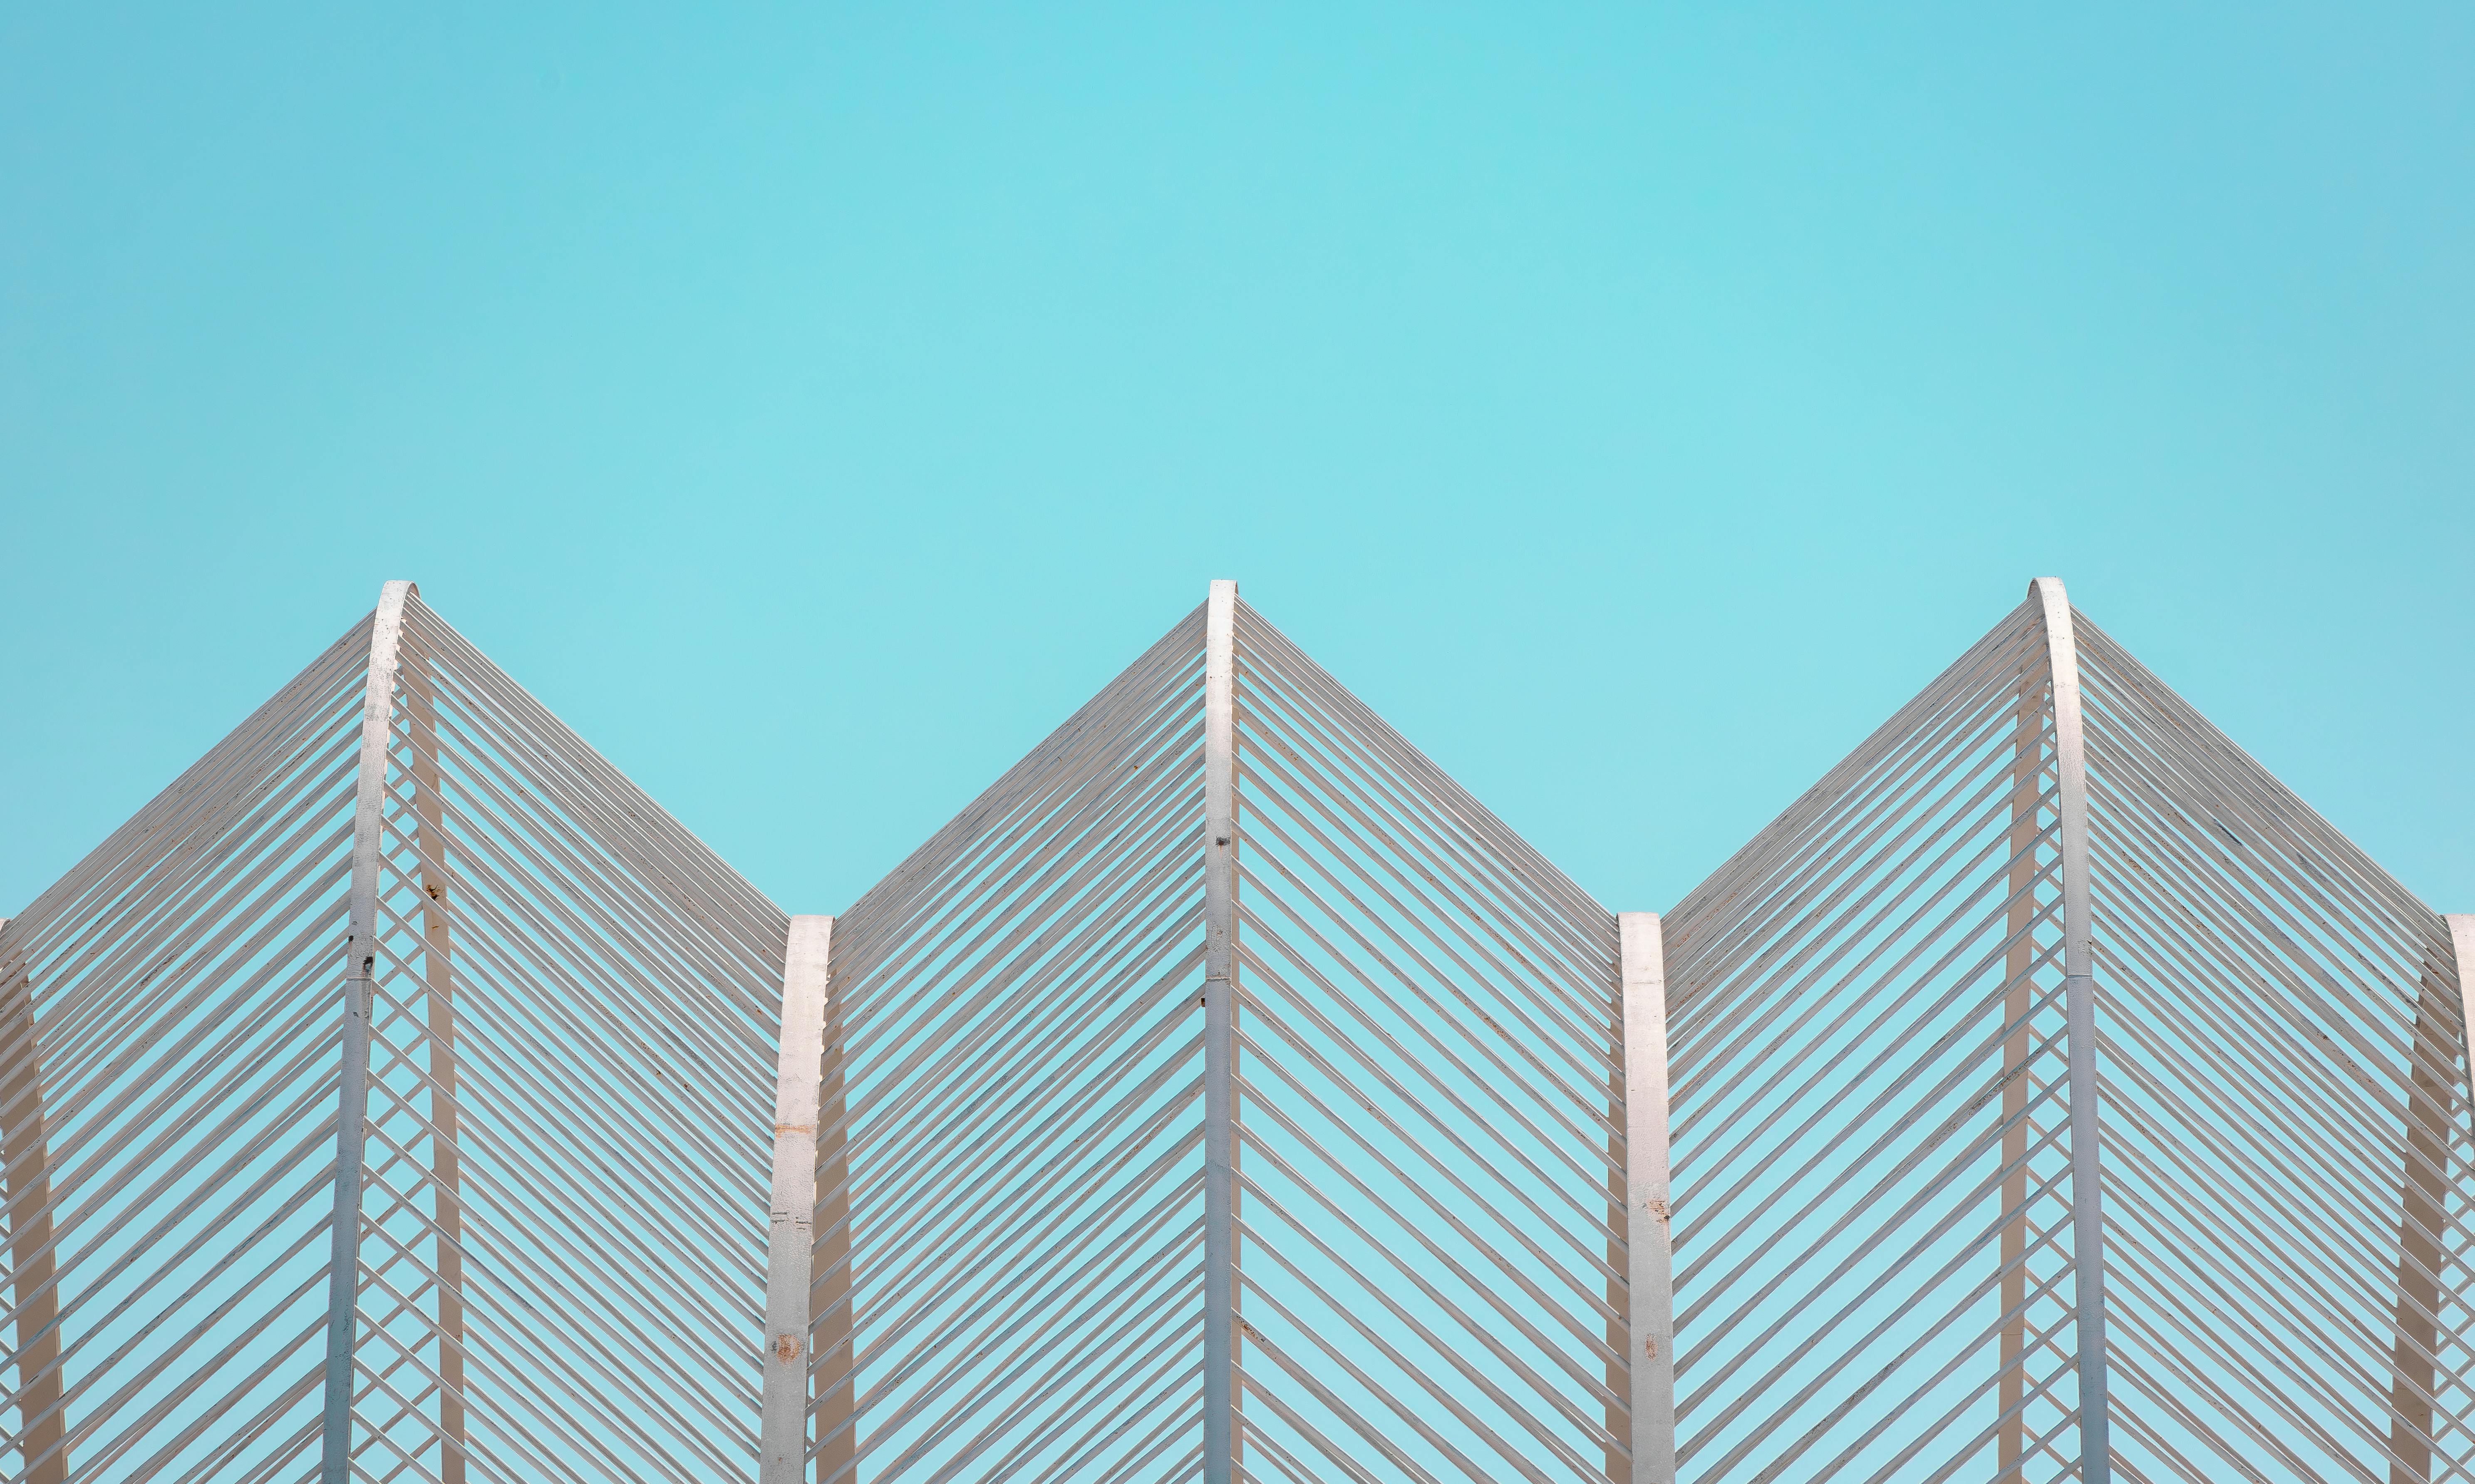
{"x": 1634, "y": 403}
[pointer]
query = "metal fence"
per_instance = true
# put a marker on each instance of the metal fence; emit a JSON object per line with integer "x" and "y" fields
{"x": 1225, "y": 1094}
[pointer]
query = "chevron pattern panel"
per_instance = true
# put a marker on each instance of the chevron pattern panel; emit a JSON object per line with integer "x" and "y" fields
{"x": 174, "y": 1058}
{"x": 1007, "y": 1266}
{"x": 1875, "y": 1269}
{"x": 1428, "y": 1034}
{"x": 401, "y": 984}
{"x": 2282, "y": 1072}
{"x": 1225, "y": 1094}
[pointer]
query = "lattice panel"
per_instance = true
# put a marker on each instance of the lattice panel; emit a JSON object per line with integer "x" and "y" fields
{"x": 561, "y": 1199}
{"x": 172, "y": 1054}
{"x": 1872, "y": 1209}
{"x": 1226, "y": 1013}
{"x": 2287, "y": 1140}
{"x": 1431, "y": 1113}
{"x": 575, "y": 1016}
{"x": 1009, "y": 1231}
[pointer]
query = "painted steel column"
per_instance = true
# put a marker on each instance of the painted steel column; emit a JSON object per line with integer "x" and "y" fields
{"x": 42, "y": 1436}
{"x": 832, "y": 1366}
{"x": 1651, "y": 1255}
{"x": 1220, "y": 1035}
{"x": 2462, "y": 943}
{"x": 1619, "y": 1409}
{"x": 2423, "y": 1191}
{"x": 361, "y": 970}
{"x": 438, "y": 984}
{"x": 2027, "y": 795}
{"x": 783, "y": 1439}
{"x": 2423, "y": 1225}
{"x": 2079, "y": 991}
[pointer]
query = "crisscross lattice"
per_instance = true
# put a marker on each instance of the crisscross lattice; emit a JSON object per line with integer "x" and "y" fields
{"x": 170, "y": 1110}
{"x": 559, "y": 1198}
{"x": 1872, "y": 1210}
{"x": 2286, "y": 1141}
{"x": 571, "y": 1037}
{"x": 1431, "y": 1117}
{"x": 1009, "y": 1228}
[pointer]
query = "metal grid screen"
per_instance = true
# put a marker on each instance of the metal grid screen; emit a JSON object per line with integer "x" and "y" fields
{"x": 1226, "y": 1095}
{"x": 1007, "y": 1274}
{"x": 2280, "y": 1051}
{"x": 1427, "y": 1033}
{"x": 571, "y": 1030}
{"x": 174, "y": 1054}
{"x": 1874, "y": 1275}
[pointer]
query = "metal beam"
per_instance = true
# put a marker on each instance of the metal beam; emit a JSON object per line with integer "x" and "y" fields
{"x": 361, "y": 965}
{"x": 2422, "y": 1222}
{"x": 832, "y": 1367}
{"x": 791, "y": 1239}
{"x": 2461, "y": 944}
{"x": 1220, "y": 1358}
{"x": 2079, "y": 992}
{"x": 43, "y": 1439}
{"x": 1650, "y": 1253}
{"x": 438, "y": 985}
{"x": 2028, "y": 793}
{"x": 1619, "y": 1327}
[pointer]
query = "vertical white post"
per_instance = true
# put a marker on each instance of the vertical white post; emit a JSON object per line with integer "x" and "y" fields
{"x": 2462, "y": 942}
{"x": 1649, "y": 1266}
{"x": 783, "y": 1433}
{"x": 1219, "y": 1036}
{"x": 2080, "y": 1011}
{"x": 438, "y": 974}
{"x": 42, "y": 1436}
{"x": 2027, "y": 795}
{"x": 2462, "y": 953}
{"x": 361, "y": 972}
{"x": 2423, "y": 1219}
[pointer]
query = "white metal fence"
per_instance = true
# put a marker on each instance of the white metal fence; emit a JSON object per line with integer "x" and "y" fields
{"x": 1225, "y": 1094}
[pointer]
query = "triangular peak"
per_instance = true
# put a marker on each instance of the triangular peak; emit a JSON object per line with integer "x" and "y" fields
{"x": 401, "y": 949}
{"x": 2017, "y": 1032}
{"x": 1225, "y": 969}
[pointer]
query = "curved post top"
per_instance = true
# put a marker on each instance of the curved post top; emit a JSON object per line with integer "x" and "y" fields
{"x": 386, "y": 624}
{"x": 2049, "y": 592}
{"x": 2063, "y": 669}
{"x": 361, "y": 970}
{"x": 2072, "y": 840}
{"x": 390, "y": 612}
{"x": 378, "y": 710}
{"x": 386, "y": 627}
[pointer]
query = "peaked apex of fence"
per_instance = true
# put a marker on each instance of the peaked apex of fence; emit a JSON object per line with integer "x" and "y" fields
{"x": 2045, "y": 996}
{"x": 1166, "y": 990}
{"x": 303, "y": 1042}
{"x": 1297, "y": 708}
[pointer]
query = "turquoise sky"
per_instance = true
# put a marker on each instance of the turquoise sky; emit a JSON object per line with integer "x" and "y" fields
{"x": 812, "y": 405}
